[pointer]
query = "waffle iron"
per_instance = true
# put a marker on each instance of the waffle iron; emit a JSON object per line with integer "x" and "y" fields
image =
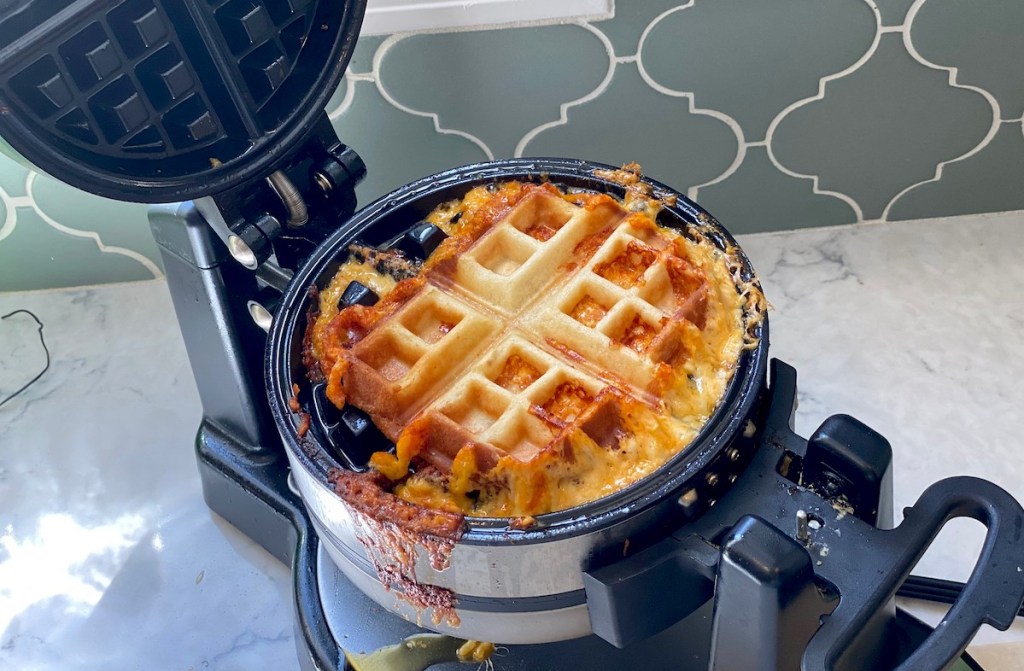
{"x": 213, "y": 111}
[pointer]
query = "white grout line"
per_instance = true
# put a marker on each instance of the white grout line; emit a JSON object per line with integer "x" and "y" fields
{"x": 30, "y": 202}
{"x": 731, "y": 123}
{"x": 742, "y": 144}
{"x": 378, "y": 58}
{"x": 820, "y": 95}
{"x": 350, "y": 95}
{"x": 953, "y": 72}
{"x": 11, "y": 203}
{"x": 563, "y": 109}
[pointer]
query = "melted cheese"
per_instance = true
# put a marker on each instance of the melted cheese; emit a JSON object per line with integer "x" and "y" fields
{"x": 350, "y": 271}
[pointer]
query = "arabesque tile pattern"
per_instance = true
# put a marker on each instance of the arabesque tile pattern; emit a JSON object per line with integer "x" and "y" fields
{"x": 789, "y": 114}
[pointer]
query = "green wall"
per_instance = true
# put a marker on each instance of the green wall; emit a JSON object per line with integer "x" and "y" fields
{"x": 773, "y": 115}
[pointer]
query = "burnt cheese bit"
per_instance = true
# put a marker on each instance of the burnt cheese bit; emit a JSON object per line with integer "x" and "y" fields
{"x": 638, "y": 334}
{"x": 367, "y": 492}
{"x": 295, "y": 406}
{"x": 568, "y": 402}
{"x": 517, "y": 374}
{"x": 628, "y": 267}
{"x": 390, "y": 262}
{"x": 588, "y": 311}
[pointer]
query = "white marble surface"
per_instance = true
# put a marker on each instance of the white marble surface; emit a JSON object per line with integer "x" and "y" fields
{"x": 109, "y": 558}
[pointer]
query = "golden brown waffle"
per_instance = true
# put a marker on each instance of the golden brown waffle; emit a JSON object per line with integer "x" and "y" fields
{"x": 541, "y": 334}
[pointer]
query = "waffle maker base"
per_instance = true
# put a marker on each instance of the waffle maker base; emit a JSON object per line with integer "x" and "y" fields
{"x": 332, "y": 615}
{"x": 361, "y": 625}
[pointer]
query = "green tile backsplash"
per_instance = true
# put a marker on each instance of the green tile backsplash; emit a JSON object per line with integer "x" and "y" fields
{"x": 889, "y": 110}
{"x": 625, "y": 122}
{"x": 773, "y": 115}
{"x": 758, "y": 71}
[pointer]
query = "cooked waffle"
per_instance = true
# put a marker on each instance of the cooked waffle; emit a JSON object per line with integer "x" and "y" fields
{"x": 545, "y": 357}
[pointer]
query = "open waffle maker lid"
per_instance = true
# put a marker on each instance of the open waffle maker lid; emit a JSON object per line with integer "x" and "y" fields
{"x": 168, "y": 100}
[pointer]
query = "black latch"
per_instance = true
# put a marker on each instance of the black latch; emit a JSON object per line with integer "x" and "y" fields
{"x": 638, "y": 596}
{"x": 291, "y": 211}
{"x": 766, "y": 603}
{"x": 850, "y": 464}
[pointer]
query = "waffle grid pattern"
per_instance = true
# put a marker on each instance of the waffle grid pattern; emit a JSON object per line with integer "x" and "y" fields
{"x": 120, "y": 80}
{"x": 498, "y": 353}
{"x": 97, "y": 90}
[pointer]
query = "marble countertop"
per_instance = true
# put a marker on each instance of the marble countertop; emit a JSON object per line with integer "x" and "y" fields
{"x": 110, "y": 559}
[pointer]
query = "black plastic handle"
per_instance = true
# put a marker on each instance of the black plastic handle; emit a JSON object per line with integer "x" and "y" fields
{"x": 936, "y": 590}
{"x": 992, "y": 595}
{"x": 840, "y": 479}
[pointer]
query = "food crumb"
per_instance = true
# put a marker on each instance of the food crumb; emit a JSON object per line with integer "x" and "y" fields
{"x": 475, "y": 651}
{"x": 304, "y": 418}
{"x": 522, "y": 523}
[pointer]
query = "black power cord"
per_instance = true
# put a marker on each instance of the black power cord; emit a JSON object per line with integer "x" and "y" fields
{"x": 42, "y": 341}
{"x": 934, "y": 589}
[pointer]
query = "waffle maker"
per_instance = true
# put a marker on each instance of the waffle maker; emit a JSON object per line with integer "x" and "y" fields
{"x": 756, "y": 549}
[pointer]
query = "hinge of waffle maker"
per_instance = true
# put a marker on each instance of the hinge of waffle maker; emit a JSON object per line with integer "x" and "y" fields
{"x": 228, "y": 257}
{"x": 224, "y": 308}
{"x": 271, "y": 225}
